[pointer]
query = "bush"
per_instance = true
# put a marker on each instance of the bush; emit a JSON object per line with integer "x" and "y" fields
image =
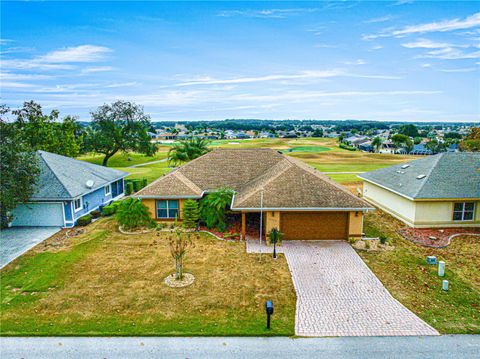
{"x": 132, "y": 214}
{"x": 144, "y": 182}
{"x": 109, "y": 210}
{"x": 84, "y": 220}
{"x": 190, "y": 213}
{"x": 383, "y": 239}
{"x": 347, "y": 147}
{"x": 213, "y": 207}
{"x": 128, "y": 188}
{"x": 95, "y": 213}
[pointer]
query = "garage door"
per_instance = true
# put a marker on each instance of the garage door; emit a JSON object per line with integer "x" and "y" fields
{"x": 38, "y": 214}
{"x": 314, "y": 225}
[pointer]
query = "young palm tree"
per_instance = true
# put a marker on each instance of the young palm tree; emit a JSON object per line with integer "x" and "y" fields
{"x": 187, "y": 150}
{"x": 377, "y": 143}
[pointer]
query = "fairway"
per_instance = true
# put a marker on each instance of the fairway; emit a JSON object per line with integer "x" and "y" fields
{"x": 321, "y": 153}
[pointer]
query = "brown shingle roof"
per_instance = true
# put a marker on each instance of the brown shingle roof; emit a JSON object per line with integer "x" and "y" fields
{"x": 287, "y": 182}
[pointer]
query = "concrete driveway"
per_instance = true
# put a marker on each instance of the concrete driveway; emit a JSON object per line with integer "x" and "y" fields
{"x": 17, "y": 240}
{"x": 338, "y": 295}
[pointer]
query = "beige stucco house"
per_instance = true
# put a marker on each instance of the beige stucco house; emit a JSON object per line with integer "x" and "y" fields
{"x": 435, "y": 191}
{"x": 288, "y": 194}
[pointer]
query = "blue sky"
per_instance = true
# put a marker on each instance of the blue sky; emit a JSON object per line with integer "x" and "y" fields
{"x": 401, "y": 60}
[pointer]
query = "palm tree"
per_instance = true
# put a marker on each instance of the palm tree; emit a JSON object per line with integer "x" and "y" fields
{"x": 187, "y": 150}
{"x": 377, "y": 143}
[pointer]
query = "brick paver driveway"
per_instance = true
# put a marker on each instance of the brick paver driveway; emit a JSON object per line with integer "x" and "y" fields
{"x": 338, "y": 295}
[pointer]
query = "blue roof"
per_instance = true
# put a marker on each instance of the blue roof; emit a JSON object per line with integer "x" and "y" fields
{"x": 66, "y": 178}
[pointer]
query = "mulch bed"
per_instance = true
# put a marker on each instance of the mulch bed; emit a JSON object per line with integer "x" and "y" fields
{"x": 436, "y": 238}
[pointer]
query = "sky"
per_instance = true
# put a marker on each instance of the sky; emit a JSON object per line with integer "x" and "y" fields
{"x": 365, "y": 60}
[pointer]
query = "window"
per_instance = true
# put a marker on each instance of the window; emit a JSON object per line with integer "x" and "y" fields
{"x": 78, "y": 204}
{"x": 167, "y": 209}
{"x": 463, "y": 211}
{"x": 107, "y": 190}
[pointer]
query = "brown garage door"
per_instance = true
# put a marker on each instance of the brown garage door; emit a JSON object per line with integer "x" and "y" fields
{"x": 314, "y": 225}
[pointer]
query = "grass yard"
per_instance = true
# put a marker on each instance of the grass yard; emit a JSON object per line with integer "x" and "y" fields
{"x": 321, "y": 153}
{"x": 107, "y": 283}
{"x": 416, "y": 285}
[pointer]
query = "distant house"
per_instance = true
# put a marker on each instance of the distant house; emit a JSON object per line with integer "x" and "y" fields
{"x": 420, "y": 149}
{"x": 387, "y": 147}
{"x": 366, "y": 146}
{"x": 355, "y": 141}
{"x": 453, "y": 148}
{"x": 67, "y": 189}
{"x": 293, "y": 197}
{"x": 436, "y": 191}
{"x": 152, "y": 134}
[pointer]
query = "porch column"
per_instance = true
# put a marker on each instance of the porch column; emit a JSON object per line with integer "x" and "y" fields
{"x": 244, "y": 221}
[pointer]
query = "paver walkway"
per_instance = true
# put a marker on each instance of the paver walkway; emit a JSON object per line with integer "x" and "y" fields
{"x": 338, "y": 295}
{"x": 17, "y": 240}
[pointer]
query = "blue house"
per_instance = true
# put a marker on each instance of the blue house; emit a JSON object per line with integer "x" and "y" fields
{"x": 67, "y": 189}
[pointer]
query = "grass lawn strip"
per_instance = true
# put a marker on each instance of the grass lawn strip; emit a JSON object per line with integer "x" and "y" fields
{"x": 415, "y": 284}
{"x": 112, "y": 284}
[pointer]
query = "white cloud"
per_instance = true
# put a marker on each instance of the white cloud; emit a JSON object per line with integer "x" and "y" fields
{"x": 469, "y": 22}
{"x": 427, "y": 44}
{"x": 379, "y": 19}
{"x": 356, "y": 62}
{"x": 267, "y": 13}
{"x": 90, "y": 70}
{"x": 16, "y": 76}
{"x": 467, "y": 69}
{"x": 5, "y": 41}
{"x": 441, "y": 26}
{"x": 82, "y": 53}
{"x": 276, "y": 77}
{"x": 450, "y": 53}
{"x": 61, "y": 59}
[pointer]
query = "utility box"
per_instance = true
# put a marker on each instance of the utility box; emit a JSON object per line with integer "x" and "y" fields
{"x": 431, "y": 260}
{"x": 441, "y": 268}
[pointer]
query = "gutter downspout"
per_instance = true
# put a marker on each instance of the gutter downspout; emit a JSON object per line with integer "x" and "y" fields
{"x": 261, "y": 215}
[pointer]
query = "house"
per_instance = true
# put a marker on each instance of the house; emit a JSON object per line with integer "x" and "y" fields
{"x": 436, "y": 191}
{"x": 67, "y": 189}
{"x": 420, "y": 149}
{"x": 366, "y": 146}
{"x": 290, "y": 195}
{"x": 356, "y": 140}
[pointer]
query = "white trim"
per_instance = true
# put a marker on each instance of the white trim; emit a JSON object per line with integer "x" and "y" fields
{"x": 300, "y": 209}
{"x": 81, "y": 204}
{"x": 167, "y": 197}
{"x": 167, "y": 208}
{"x": 463, "y": 212}
{"x": 109, "y": 186}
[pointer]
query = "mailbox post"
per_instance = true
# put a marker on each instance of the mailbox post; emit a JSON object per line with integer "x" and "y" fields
{"x": 269, "y": 310}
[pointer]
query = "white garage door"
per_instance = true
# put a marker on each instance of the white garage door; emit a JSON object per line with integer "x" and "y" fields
{"x": 38, "y": 214}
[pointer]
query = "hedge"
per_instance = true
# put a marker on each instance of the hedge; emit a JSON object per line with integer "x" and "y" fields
{"x": 84, "y": 220}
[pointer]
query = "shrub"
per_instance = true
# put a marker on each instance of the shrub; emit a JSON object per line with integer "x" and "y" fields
{"x": 144, "y": 182}
{"x": 347, "y": 147}
{"x": 132, "y": 214}
{"x": 128, "y": 188}
{"x": 190, "y": 213}
{"x": 352, "y": 240}
{"x": 213, "y": 207}
{"x": 137, "y": 185}
{"x": 95, "y": 214}
{"x": 383, "y": 239}
{"x": 110, "y": 209}
{"x": 84, "y": 220}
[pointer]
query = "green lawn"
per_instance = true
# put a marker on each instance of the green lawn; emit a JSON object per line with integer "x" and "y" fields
{"x": 106, "y": 283}
{"x": 416, "y": 285}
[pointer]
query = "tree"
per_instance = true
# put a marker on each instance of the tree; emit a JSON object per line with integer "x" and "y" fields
{"x": 121, "y": 126}
{"x": 377, "y": 143}
{"x": 45, "y": 132}
{"x": 275, "y": 237}
{"x": 452, "y": 135}
{"x": 19, "y": 169}
{"x": 417, "y": 140}
{"x": 409, "y": 130}
{"x": 179, "y": 243}
{"x": 190, "y": 213}
{"x": 472, "y": 141}
{"x": 133, "y": 214}
{"x": 187, "y": 150}
{"x": 213, "y": 207}
{"x": 317, "y": 133}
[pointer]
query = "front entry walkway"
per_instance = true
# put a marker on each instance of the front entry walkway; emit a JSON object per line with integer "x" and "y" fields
{"x": 338, "y": 295}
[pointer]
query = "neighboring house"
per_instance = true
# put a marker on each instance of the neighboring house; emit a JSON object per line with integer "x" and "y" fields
{"x": 420, "y": 149}
{"x": 356, "y": 140}
{"x": 67, "y": 189}
{"x": 436, "y": 191}
{"x": 366, "y": 146}
{"x": 295, "y": 198}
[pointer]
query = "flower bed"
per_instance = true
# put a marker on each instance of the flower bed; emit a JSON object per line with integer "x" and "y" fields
{"x": 436, "y": 238}
{"x": 228, "y": 235}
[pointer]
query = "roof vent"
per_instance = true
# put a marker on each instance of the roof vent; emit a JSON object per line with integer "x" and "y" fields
{"x": 89, "y": 184}
{"x": 405, "y": 166}
{"x": 421, "y": 176}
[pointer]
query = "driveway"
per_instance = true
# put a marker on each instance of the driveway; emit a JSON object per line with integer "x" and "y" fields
{"x": 338, "y": 295}
{"x": 17, "y": 240}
